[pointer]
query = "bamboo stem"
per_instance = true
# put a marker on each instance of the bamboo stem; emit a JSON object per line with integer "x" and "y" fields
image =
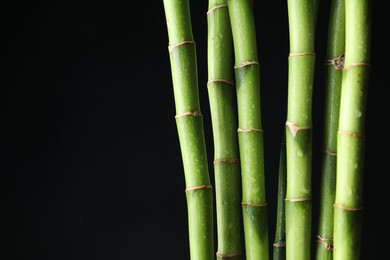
{"x": 298, "y": 131}
{"x": 250, "y": 133}
{"x": 280, "y": 234}
{"x": 350, "y": 139}
{"x": 189, "y": 122}
{"x": 223, "y": 108}
{"x": 316, "y": 5}
{"x": 333, "y": 70}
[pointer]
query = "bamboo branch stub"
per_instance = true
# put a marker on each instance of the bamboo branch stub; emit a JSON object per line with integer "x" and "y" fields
{"x": 294, "y": 128}
{"x": 337, "y": 63}
{"x": 330, "y": 153}
{"x": 280, "y": 244}
{"x": 323, "y": 240}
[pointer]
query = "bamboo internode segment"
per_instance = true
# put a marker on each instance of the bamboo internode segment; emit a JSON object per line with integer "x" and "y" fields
{"x": 224, "y": 81}
{"x": 188, "y": 113}
{"x": 280, "y": 244}
{"x": 254, "y": 205}
{"x": 200, "y": 187}
{"x": 337, "y": 63}
{"x": 172, "y": 47}
{"x": 351, "y": 133}
{"x": 240, "y": 130}
{"x": 330, "y": 153}
{"x": 342, "y": 207}
{"x": 246, "y": 63}
{"x": 327, "y": 242}
{"x": 227, "y": 160}
{"x": 357, "y": 64}
{"x": 298, "y": 199}
{"x": 300, "y": 54}
{"x": 229, "y": 255}
{"x": 216, "y": 7}
{"x": 294, "y": 128}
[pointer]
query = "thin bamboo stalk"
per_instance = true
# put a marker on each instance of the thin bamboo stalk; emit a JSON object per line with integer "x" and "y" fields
{"x": 182, "y": 52}
{"x": 333, "y": 70}
{"x": 280, "y": 233}
{"x": 298, "y": 128}
{"x": 250, "y": 133}
{"x": 223, "y": 108}
{"x": 348, "y": 205}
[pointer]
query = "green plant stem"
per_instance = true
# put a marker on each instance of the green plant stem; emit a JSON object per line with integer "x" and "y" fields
{"x": 333, "y": 70}
{"x": 350, "y": 139}
{"x": 223, "y": 108}
{"x": 280, "y": 234}
{"x": 298, "y": 128}
{"x": 189, "y": 122}
{"x": 316, "y": 4}
{"x": 250, "y": 133}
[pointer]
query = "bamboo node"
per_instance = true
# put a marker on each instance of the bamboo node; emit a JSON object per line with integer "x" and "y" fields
{"x": 227, "y": 160}
{"x": 254, "y": 205}
{"x": 206, "y": 186}
{"x": 339, "y": 206}
{"x": 216, "y": 7}
{"x": 298, "y": 199}
{"x": 280, "y": 244}
{"x": 171, "y": 47}
{"x": 246, "y": 63}
{"x": 301, "y": 54}
{"x": 227, "y": 82}
{"x": 351, "y": 133}
{"x": 241, "y": 130}
{"x": 188, "y": 113}
{"x": 229, "y": 255}
{"x": 325, "y": 241}
{"x": 330, "y": 153}
{"x": 294, "y": 128}
{"x": 357, "y": 64}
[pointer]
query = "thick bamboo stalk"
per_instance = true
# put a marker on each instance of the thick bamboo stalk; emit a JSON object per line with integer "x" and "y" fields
{"x": 298, "y": 128}
{"x": 333, "y": 70}
{"x": 189, "y": 122}
{"x": 350, "y": 139}
{"x": 250, "y": 132}
{"x": 280, "y": 234}
{"x": 223, "y": 108}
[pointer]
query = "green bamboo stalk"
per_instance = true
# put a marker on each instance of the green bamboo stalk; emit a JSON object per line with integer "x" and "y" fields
{"x": 250, "y": 133}
{"x": 298, "y": 128}
{"x": 350, "y": 139}
{"x": 280, "y": 234}
{"x": 316, "y": 4}
{"x": 223, "y": 108}
{"x": 182, "y": 52}
{"x": 333, "y": 71}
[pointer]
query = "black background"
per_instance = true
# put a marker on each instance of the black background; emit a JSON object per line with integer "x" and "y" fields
{"x": 90, "y": 159}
